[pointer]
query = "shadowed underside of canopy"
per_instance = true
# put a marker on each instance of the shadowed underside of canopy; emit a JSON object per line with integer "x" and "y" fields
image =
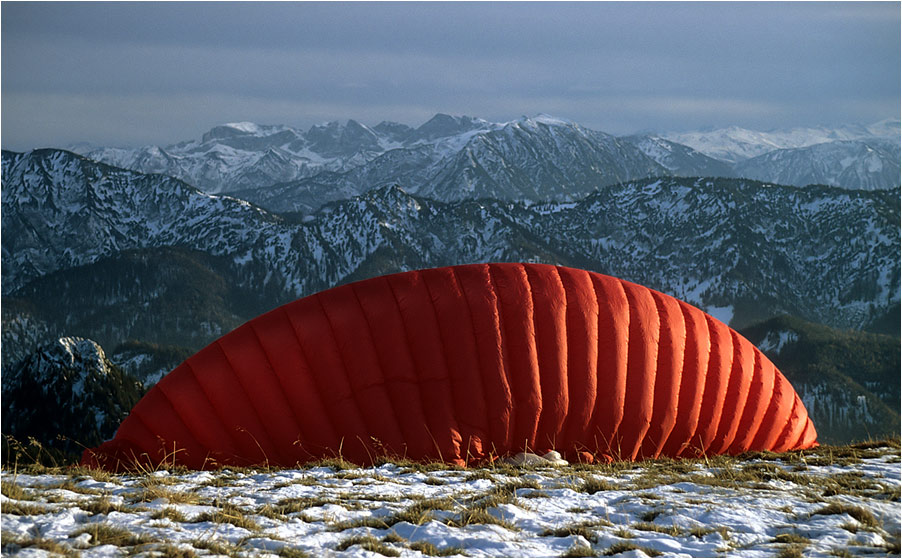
{"x": 463, "y": 364}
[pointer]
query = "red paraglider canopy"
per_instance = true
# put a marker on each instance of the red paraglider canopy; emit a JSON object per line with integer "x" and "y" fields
{"x": 463, "y": 364}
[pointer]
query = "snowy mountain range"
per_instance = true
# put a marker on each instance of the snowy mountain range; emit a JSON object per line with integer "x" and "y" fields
{"x": 734, "y": 144}
{"x": 531, "y": 158}
{"x": 97, "y": 251}
{"x": 245, "y": 155}
{"x": 868, "y": 164}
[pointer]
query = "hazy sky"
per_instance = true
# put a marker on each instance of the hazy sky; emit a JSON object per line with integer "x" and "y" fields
{"x": 140, "y": 73}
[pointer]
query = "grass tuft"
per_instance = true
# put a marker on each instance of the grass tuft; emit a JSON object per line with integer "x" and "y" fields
{"x": 288, "y": 551}
{"x": 580, "y": 551}
{"x": 101, "y": 506}
{"x": 862, "y": 515}
{"x": 652, "y": 527}
{"x": 15, "y": 492}
{"x": 169, "y": 513}
{"x": 584, "y": 529}
{"x": 368, "y": 543}
{"x": 593, "y": 485}
{"x": 421, "y": 511}
{"x": 46, "y": 544}
{"x": 272, "y": 512}
{"x": 171, "y": 496}
{"x": 19, "y": 508}
{"x": 481, "y": 473}
{"x": 216, "y": 547}
{"x": 791, "y": 550}
{"x": 430, "y": 549}
{"x": 169, "y": 550}
{"x": 791, "y": 538}
{"x": 702, "y": 531}
{"x": 478, "y": 515}
{"x": 650, "y": 515}
{"x": 622, "y": 547}
{"x": 228, "y": 513}
{"x": 108, "y": 534}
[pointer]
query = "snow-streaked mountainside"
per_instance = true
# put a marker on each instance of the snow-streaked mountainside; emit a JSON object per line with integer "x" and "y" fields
{"x": 526, "y": 160}
{"x": 61, "y": 210}
{"x": 67, "y": 387}
{"x": 245, "y": 155}
{"x": 740, "y": 249}
{"x": 869, "y": 165}
{"x": 451, "y": 158}
{"x": 734, "y": 144}
{"x": 681, "y": 160}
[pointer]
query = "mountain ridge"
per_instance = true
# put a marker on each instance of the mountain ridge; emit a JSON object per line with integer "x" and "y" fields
{"x": 253, "y": 158}
{"x": 740, "y": 249}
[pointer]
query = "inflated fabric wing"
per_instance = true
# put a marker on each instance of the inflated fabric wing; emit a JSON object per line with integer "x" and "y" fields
{"x": 463, "y": 364}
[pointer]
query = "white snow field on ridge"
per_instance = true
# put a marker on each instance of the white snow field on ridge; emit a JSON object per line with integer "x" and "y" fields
{"x": 829, "y": 501}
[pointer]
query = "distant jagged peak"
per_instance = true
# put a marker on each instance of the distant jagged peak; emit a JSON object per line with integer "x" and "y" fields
{"x": 334, "y": 139}
{"x": 546, "y": 119}
{"x": 354, "y": 128}
{"x": 446, "y": 119}
{"x": 444, "y": 125}
{"x": 338, "y": 126}
{"x": 244, "y": 128}
{"x": 393, "y": 190}
{"x": 395, "y": 131}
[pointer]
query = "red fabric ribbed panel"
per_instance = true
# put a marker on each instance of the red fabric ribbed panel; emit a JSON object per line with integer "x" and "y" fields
{"x": 691, "y": 386}
{"x": 280, "y": 342}
{"x": 515, "y": 306}
{"x": 354, "y": 339}
{"x": 326, "y": 361}
{"x": 668, "y": 377}
{"x": 422, "y": 334}
{"x": 606, "y": 411}
{"x": 641, "y": 364}
{"x": 459, "y": 344}
{"x": 740, "y": 377}
{"x": 482, "y": 303}
{"x": 557, "y": 352}
{"x": 190, "y": 401}
{"x": 378, "y": 304}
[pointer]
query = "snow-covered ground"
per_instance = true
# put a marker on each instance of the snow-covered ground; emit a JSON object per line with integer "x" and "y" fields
{"x": 829, "y": 501}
